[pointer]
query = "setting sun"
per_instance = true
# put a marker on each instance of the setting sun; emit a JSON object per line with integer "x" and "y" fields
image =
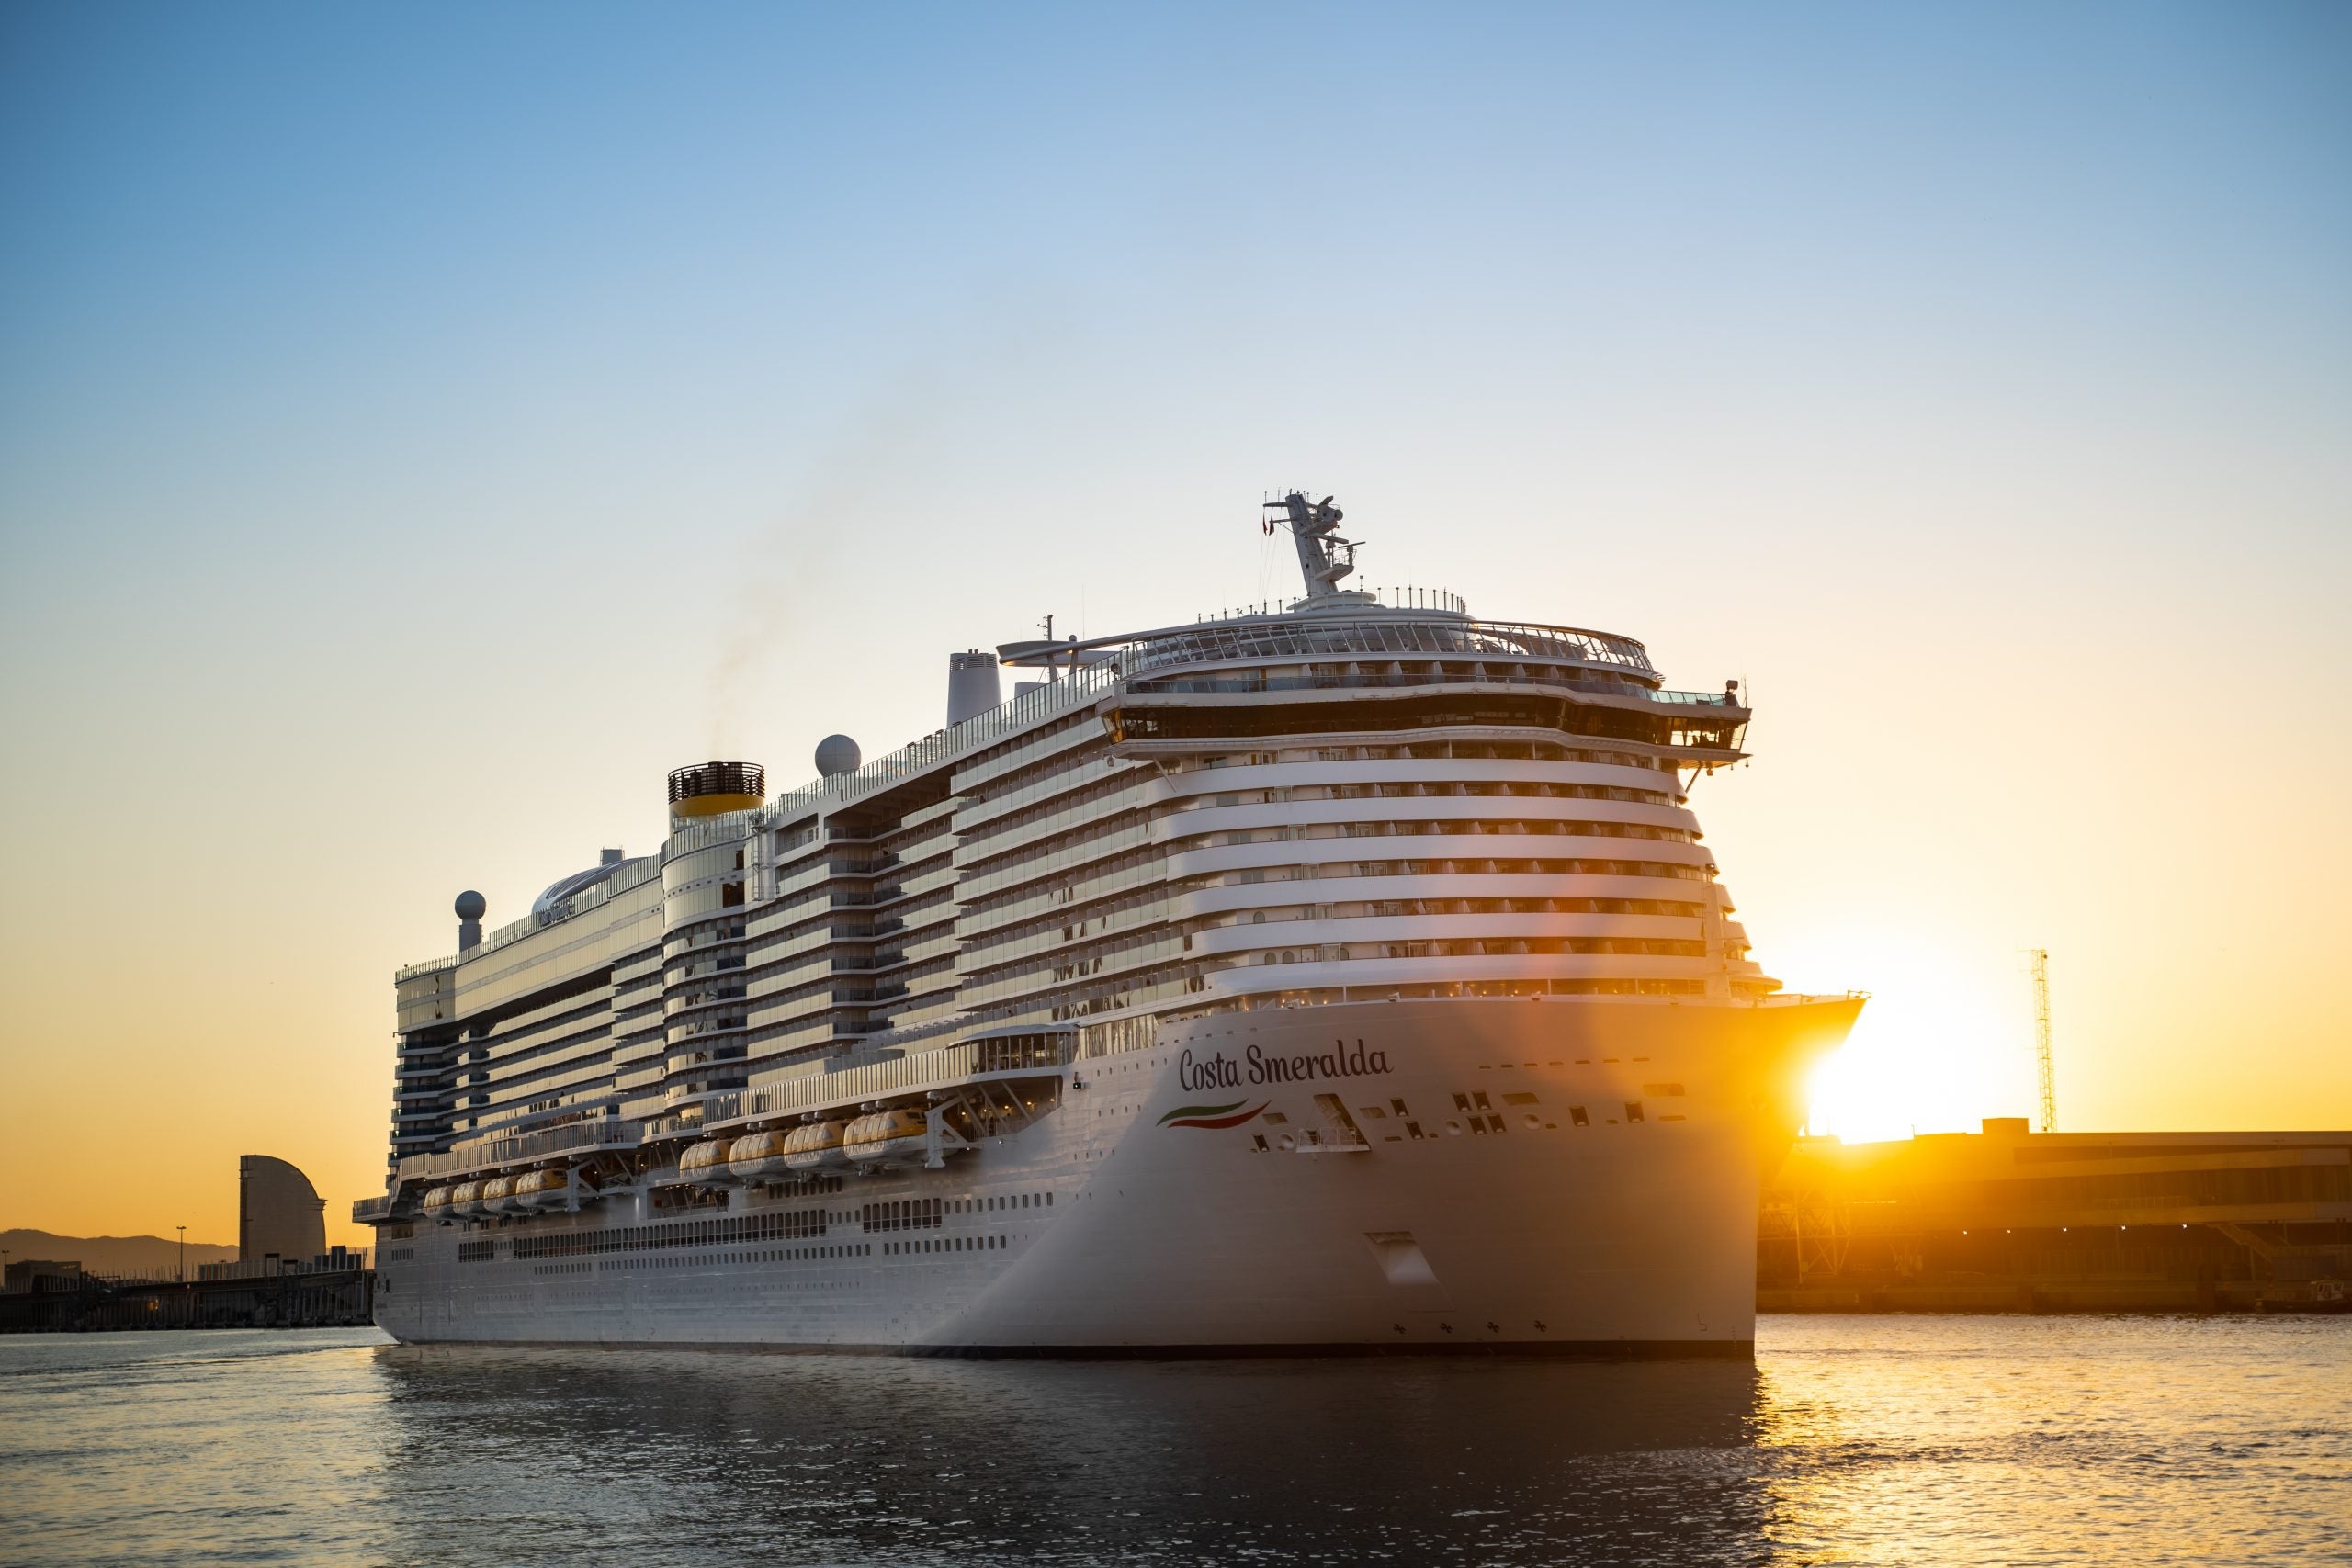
{"x": 1945, "y": 1041}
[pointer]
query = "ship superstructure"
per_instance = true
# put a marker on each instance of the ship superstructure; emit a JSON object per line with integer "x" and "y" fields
{"x": 1344, "y": 975}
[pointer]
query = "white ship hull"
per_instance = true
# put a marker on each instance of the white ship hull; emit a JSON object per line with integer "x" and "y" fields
{"x": 1119, "y": 1224}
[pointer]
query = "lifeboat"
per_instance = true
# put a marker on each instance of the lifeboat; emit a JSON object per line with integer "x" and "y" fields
{"x": 498, "y": 1196}
{"x": 436, "y": 1203}
{"x": 465, "y": 1200}
{"x": 757, "y": 1156}
{"x": 817, "y": 1143}
{"x": 538, "y": 1189}
{"x": 884, "y": 1134}
{"x": 706, "y": 1162}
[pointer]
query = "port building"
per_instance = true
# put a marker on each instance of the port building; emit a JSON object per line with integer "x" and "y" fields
{"x": 2010, "y": 1219}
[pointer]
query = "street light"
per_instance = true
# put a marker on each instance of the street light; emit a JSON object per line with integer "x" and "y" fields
{"x": 183, "y": 1230}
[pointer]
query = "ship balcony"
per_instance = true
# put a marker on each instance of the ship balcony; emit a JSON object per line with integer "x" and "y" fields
{"x": 699, "y": 1025}
{"x": 689, "y": 1001}
{"x": 688, "y": 1061}
{"x": 700, "y": 1091}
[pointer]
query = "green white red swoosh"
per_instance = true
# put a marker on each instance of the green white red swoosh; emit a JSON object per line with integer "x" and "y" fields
{"x": 1210, "y": 1115}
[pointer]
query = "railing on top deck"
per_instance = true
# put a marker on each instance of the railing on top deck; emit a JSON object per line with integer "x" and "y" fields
{"x": 603, "y": 1134}
{"x": 1211, "y": 683}
{"x": 1386, "y": 598}
{"x": 920, "y": 1069}
{"x": 1074, "y": 689}
{"x": 1352, "y": 636}
{"x": 635, "y": 875}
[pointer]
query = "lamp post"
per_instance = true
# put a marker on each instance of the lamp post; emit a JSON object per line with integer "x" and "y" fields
{"x": 183, "y": 1230}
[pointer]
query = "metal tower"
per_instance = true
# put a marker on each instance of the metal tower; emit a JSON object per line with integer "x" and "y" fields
{"x": 2041, "y": 1039}
{"x": 1324, "y": 557}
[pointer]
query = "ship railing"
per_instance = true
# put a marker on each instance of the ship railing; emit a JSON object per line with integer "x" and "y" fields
{"x": 1072, "y": 689}
{"x": 368, "y": 1210}
{"x": 1381, "y": 636}
{"x": 1210, "y": 683}
{"x": 635, "y": 875}
{"x": 1393, "y": 597}
{"x": 916, "y": 1070}
{"x": 506, "y": 1149}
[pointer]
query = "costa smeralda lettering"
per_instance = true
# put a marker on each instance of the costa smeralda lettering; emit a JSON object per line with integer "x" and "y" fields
{"x": 1255, "y": 1067}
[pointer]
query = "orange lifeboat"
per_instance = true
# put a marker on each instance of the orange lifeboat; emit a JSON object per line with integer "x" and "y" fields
{"x": 539, "y": 1190}
{"x": 818, "y": 1142}
{"x": 465, "y": 1200}
{"x": 498, "y": 1196}
{"x": 436, "y": 1203}
{"x": 706, "y": 1162}
{"x": 885, "y": 1134}
{"x": 756, "y": 1155}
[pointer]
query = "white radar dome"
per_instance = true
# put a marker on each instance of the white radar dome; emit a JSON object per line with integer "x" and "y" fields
{"x": 837, "y": 754}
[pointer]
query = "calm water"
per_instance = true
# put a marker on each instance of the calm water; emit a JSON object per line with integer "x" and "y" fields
{"x": 1863, "y": 1440}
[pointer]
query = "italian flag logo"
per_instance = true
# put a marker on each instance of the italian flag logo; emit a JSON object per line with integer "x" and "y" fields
{"x": 1212, "y": 1115}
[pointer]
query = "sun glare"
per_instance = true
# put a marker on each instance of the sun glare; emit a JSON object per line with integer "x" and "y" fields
{"x": 1944, "y": 1041}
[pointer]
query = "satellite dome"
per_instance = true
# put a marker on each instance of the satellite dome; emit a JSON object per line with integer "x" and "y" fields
{"x": 470, "y": 905}
{"x": 837, "y": 754}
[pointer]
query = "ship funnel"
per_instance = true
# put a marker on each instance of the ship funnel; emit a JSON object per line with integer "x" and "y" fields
{"x": 471, "y": 907}
{"x": 709, "y": 789}
{"x": 972, "y": 688}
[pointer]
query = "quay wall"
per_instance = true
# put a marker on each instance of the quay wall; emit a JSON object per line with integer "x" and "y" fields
{"x": 346, "y": 1299}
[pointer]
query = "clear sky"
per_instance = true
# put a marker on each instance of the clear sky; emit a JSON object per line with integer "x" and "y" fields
{"x": 422, "y": 426}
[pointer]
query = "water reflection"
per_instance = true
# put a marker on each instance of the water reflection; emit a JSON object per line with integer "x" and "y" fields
{"x": 1854, "y": 1440}
{"x": 671, "y": 1458}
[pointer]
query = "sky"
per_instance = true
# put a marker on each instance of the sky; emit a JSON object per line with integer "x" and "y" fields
{"x": 422, "y": 426}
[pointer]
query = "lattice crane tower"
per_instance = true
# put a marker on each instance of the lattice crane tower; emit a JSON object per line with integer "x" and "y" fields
{"x": 2041, "y": 1040}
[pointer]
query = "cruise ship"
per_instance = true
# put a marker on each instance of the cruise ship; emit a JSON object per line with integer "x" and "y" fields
{"x": 1349, "y": 973}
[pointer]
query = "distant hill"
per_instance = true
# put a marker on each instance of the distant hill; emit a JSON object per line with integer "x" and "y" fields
{"x": 113, "y": 1254}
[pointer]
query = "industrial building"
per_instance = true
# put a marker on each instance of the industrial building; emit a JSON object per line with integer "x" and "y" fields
{"x": 2013, "y": 1220}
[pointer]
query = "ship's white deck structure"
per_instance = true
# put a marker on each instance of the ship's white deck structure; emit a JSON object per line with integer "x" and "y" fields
{"x": 1350, "y": 975}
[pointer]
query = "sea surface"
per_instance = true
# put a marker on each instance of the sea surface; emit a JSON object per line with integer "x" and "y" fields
{"x": 1851, "y": 1440}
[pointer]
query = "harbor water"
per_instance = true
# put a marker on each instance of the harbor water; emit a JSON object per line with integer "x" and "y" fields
{"x": 1867, "y": 1440}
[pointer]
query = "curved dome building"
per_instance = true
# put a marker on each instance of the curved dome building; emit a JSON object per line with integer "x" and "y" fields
{"x": 279, "y": 1213}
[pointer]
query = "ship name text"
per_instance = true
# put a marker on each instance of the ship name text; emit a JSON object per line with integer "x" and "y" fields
{"x": 1255, "y": 1067}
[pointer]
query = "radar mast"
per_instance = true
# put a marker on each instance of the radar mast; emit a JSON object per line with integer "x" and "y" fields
{"x": 1324, "y": 557}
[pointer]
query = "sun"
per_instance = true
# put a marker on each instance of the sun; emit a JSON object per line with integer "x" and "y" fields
{"x": 1944, "y": 1042}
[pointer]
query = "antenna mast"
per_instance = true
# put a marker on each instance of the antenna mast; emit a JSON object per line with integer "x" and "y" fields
{"x": 2041, "y": 1040}
{"x": 1324, "y": 557}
